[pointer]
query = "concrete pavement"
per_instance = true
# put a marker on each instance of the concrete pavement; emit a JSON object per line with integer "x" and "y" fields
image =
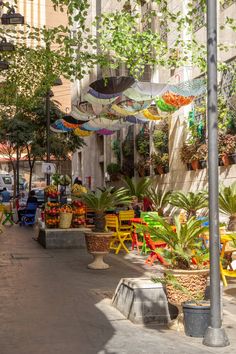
{"x": 50, "y": 303}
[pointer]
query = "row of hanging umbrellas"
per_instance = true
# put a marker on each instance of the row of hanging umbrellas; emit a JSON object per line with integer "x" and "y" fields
{"x": 116, "y": 102}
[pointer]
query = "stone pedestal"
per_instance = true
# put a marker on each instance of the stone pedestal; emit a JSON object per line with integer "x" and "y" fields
{"x": 143, "y": 301}
{"x": 62, "y": 238}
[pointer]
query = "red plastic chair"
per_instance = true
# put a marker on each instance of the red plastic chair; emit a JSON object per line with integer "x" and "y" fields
{"x": 154, "y": 255}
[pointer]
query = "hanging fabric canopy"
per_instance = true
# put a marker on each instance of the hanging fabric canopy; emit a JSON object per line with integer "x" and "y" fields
{"x": 103, "y": 95}
{"x": 164, "y": 106}
{"x": 82, "y": 133}
{"x": 195, "y": 87}
{"x": 177, "y": 100}
{"x": 111, "y": 85}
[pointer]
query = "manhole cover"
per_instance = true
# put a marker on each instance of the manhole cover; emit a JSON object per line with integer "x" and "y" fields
{"x": 29, "y": 256}
{"x": 103, "y": 294}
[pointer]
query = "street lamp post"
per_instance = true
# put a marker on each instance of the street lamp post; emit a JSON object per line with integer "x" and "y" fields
{"x": 215, "y": 335}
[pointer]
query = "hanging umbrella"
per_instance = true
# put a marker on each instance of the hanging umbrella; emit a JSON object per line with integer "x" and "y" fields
{"x": 111, "y": 85}
{"x": 58, "y": 125}
{"x": 103, "y": 95}
{"x": 77, "y": 114}
{"x": 151, "y": 89}
{"x": 69, "y": 119}
{"x": 136, "y": 120}
{"x": 133, "y": 106}
{"x": 177, "y": 100}
{"x": 88, "y": 127}
{"x": 105, "y": 132}
{"x": 163, "y": 106}
{"x": 56, "y": 130}
{"x": 104, "y": 101}
{"x": 121, "y": 111}
{"x": 82, "y": 133}
{"x": 195, "y": 87}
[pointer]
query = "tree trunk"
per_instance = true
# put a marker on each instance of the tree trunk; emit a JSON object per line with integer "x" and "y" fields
{"x": 31, "y": 173}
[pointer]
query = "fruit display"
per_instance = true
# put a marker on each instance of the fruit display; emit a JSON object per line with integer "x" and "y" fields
{"x": 79, "y": 211}
{"x": 51, "y": 192}
{"x": 52, "y": 211}
{"x": 77, "y": 189}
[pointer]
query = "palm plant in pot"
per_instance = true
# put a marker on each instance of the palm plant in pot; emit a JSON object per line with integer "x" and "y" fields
{"x": 159, "y": 199}
{"x": 185, "y": 276}
{"x": 190, "y": 202}
{"x": 227, "y": 204}
{"x": 98, "y": 240}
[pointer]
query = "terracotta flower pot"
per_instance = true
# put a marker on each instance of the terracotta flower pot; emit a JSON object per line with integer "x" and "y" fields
{"x": 225, "y": 159}
{"x": 98, "y": 244}
{"x": 194, "y": 284}
{"x": 159, "y": 169}
{"x": 195, "y": 165}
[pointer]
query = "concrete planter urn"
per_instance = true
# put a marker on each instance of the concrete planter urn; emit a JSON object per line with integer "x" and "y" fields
{"x": 190, "y": 284}
{"x": 98, "y": 244}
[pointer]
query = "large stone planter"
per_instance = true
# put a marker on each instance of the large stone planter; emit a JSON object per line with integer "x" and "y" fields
{"x": 192, "y": 285}
{"x": 98, "y": 244}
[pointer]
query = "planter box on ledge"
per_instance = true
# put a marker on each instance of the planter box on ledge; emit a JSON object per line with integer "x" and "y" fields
{"x": 62, "y": 238}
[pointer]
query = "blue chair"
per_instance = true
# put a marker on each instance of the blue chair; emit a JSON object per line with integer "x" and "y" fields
{"x": 28, "y": 218}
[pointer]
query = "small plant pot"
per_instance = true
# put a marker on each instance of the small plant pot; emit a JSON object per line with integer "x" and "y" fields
{"x": 203, "y": 164}
{"x": 225, "y": 159}
{"x": 166, "y": 169}
{"x": 196, "y": 318}
{"x": 160, "y": 170}
{"x": 195, "y": 165}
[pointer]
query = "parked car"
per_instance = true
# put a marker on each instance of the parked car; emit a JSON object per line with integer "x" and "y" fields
{"x": 39, "y": 194}
{"x": 6, "y": 181}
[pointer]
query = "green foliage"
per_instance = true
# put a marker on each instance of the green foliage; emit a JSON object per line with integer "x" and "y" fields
{"x": 142, "y": 142}
{"x": 116, "y": 149}
{"x": 137, "y": 188}
{"x": 65, "y": 180}
{"x": 191, "y": 202}
{"x": 183, "y": 243}
{"x": 113, "y": 168}
{"x": 159, "y": 199}
{"x": 227, "y": 199}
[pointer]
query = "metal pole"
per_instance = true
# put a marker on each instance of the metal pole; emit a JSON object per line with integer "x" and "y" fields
{"x": 48, "y": 131}
{"x": 215, "y": 335}
{"x": 17, "y": 169}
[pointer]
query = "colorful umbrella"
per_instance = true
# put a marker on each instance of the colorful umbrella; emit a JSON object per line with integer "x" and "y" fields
{"x": 82, "y": 133}
{"x": 177, "y": 100}
{"x": 164, "y": 106}
{"x": 105, "y": 101}
{"x": 105, "y": 132}
{"x": 111, "y": 85}
{"x": 195, "y": 87}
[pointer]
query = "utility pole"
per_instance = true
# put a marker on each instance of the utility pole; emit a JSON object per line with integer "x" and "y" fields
{"x": 47, "y": 104}
{"x": 215, "y": 335}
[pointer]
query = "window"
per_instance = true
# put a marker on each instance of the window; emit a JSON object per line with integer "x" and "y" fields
{"x": 199, "y": 19}
{"x": 7, "y": 180}
{"x": 226, "y": 3}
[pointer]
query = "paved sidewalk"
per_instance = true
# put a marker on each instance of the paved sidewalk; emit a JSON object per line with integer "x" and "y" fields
{"x": 50, "y": 303}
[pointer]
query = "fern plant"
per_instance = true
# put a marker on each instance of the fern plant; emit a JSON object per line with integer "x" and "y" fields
{"x": 191, "y": 202}
{"x": 184, "y": 246}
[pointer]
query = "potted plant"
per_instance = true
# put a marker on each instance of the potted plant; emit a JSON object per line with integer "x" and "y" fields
{"x": 185, "y": 276}
{"x": 143, "y": 167}
{"x": 187, "y": 153}
{"x": 142, "y": 142}
{"x": 158, "y": 199}
{"x": 165, "y": 162}
{"x": 202, "y": 153}
{"x": 227, "y": 147}
{"x": 114, "y": 171}
{"x": 137, "y": 188}
{"x": 190, "y": 202}
{"x": 156, "y": 161}
{"x": 98, "y": 240}
{"x": 227, "y": 204}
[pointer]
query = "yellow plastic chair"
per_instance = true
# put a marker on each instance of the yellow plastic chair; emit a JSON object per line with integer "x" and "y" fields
{"x": 124, "y": 219}
{"x": 119, "y": 237}
{"x": 225, "y": 256}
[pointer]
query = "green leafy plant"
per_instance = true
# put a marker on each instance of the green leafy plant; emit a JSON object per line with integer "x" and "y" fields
{"x": 188, "y": 152}
{"x": 190, "y": 202}
{"x": 65, "y": 180}
{"x": 159, "y": 199}
{"x": 116, "y": 149}
{"x": 227, "y": 199}
{"x": 227, "y": 144}
{"x": 113, "y": 168}
{"x": 184, "y": 249}
{"x": 143, "y": 167}
{"x": 142, "y": 142}
{"x": 137, "y": 188}
{"x": 102, "y": 200}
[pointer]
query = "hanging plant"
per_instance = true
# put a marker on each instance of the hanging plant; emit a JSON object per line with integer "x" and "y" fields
{"x": 116, "y": 149}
